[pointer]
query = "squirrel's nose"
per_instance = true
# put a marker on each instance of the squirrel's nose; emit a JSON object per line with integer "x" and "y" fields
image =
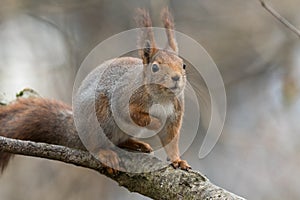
{"x": 175, "y": 78}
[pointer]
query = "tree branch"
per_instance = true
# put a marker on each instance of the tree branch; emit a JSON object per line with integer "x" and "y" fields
{"x": 284, "y": 21}
{"x": 163, "y": 183}
{"x": 166, "y": 183}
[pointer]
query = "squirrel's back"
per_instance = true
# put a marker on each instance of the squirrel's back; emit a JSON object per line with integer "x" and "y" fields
{"x": 111, "y": 80}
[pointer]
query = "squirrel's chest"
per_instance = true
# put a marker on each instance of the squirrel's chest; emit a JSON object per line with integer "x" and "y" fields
{"x": 162, "y": 110}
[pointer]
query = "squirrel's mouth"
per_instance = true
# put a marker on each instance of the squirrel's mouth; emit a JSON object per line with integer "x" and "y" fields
{"x": 175, "y": 87}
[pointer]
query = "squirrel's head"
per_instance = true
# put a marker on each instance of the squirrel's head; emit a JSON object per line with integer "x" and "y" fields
{"x": 163, "y": 68}
{"x": 166, "y": 70}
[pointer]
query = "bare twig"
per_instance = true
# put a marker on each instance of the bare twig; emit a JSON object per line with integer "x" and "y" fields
{"x": 280, "y": 18}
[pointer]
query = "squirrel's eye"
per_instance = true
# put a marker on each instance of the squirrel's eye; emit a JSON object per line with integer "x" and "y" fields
{"x": 184, "y": 66}
{"x": 155, "y": 68}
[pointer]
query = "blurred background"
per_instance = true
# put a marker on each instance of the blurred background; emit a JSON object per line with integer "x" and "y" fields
{"x": 42, "y": 44}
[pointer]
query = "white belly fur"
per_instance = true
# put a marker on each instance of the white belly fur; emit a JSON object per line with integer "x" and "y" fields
{"x": 158, "y": 110}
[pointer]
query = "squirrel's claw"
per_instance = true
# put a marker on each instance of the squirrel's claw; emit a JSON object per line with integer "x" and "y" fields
{"x": 182, "y": 164}
{"x": 110, "y": 160}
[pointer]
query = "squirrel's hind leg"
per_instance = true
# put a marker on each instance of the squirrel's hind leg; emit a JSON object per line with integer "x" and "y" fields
{"x": 110, "y": 160}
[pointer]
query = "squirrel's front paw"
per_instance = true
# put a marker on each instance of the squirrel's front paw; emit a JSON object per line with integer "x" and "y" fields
{"x": 155, "y": 124}
{"x": 136, "y": 145}
{"x": 143, "y": 147}
{"x": 110, "y": 160}
{"x": 182, "y": 164}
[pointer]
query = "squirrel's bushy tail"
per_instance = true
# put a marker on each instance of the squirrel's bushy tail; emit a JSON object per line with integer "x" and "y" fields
{"x": 40, "y": 120}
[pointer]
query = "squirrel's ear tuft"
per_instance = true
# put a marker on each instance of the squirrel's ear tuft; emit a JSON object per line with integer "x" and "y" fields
{"x": 146, "y": 41}
{"x": 148, "y": 52}
{"x": 142, "y": 18}
{"x": 168, "y": 22}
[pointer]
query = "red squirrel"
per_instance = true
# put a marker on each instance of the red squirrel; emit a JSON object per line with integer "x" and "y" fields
{"x": 52, "y": 121}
